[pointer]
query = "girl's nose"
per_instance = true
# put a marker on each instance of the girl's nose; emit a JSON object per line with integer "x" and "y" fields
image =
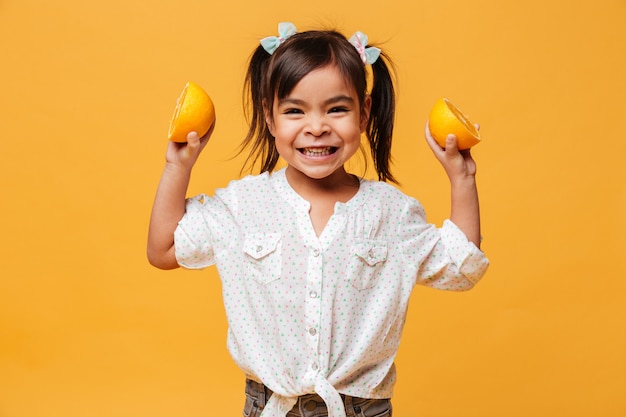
{"x": 317, "y": 126}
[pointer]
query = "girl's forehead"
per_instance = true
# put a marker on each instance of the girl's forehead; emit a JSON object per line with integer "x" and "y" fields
{"x": 323, "y": 76}
{"x": 330, "y": 71}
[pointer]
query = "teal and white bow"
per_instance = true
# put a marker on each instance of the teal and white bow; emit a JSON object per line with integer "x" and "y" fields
{"x": 285, "y": 31}
{"x": 368, "y": 55}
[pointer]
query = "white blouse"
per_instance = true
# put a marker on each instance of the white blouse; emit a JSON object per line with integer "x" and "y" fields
{"x": 320, "y": 314}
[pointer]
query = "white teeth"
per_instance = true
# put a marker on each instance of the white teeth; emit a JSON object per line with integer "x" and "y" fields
{"x": 317, "y": 151}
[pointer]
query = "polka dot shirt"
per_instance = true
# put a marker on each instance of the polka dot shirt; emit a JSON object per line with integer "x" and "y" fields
{"x": 320, "y": 314}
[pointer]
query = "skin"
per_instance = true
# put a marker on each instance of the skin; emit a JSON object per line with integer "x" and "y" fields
{"x": 461, "y": 170}
{"x": 169, "y": 203}
{"x": 317, "y": 128}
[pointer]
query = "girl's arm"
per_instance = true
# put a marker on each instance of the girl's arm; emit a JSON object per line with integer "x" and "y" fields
{"x": 169, "y": 203}
{"x": 461, "y": 170}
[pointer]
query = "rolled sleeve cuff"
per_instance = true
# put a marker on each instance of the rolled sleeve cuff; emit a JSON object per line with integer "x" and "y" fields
{"x": 470, "y": 260}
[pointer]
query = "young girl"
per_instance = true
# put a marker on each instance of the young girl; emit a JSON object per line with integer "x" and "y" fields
{"x": 317, "y": 264}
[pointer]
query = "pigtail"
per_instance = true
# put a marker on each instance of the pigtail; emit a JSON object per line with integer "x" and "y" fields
{"x": 259, "y": 139}
{"x": 380, "y": 126}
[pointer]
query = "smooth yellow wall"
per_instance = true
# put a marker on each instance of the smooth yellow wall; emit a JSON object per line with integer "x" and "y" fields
{"x": 89, "y": 329}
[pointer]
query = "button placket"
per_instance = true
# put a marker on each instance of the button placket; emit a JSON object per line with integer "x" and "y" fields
{"x": 313, "y": 304}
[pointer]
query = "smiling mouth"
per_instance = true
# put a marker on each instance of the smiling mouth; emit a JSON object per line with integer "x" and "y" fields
{"x": 327, "y": 150}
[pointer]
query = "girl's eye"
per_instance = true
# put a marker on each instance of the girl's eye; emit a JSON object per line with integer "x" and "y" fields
{"x": 292, "y": 111}
{"x": 338, "y": 109}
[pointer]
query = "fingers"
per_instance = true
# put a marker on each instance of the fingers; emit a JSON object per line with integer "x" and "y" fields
{"x": 431, "y": 141}
{"x": 192, "y": 138}
{"x": 427, "y": 131}
{"x": 452, "y": 145}
{"x": 194, "y": 142}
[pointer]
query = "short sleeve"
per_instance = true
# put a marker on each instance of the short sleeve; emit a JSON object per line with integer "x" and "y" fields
{"x": 192, "y": 237}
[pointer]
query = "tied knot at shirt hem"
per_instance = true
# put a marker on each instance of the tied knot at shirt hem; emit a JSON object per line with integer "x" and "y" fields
{"x": 279, "y": 405}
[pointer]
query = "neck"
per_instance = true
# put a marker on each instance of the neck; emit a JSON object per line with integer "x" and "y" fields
{"x": 340, "y": 185}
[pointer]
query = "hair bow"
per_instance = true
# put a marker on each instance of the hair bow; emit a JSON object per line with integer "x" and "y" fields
{"x": 285, "y": 31}
{"x": 368, "y": 55}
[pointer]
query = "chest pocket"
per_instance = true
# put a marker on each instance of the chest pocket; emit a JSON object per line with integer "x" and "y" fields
{"x": 368, "y": 257}
{"x": 263, "y": 257}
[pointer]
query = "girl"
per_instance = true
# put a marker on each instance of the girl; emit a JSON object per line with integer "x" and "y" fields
{"x": 317, "y": 265}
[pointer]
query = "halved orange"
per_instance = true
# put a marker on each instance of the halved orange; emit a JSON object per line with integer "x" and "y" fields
{"x": 445, "y": 118}
{"x": 194, "y": 112}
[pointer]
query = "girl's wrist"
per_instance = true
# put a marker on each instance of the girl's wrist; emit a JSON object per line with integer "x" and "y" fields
{"x": 177, "y": 169}
{"x": 463, "y": 182}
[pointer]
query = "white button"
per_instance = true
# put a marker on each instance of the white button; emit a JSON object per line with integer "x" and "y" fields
{"x": 312, "y": 331}
{"x": 259, "y": 248}
{"x": 313, "y": 294}
{"x": 315, "y": 366}
{"x": 316, "y": 253}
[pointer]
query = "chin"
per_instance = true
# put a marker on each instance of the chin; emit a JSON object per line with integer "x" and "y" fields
{"x": 316, "y": 174}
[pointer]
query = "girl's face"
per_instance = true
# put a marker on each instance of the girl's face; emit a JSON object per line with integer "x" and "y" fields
{"x": 317, "y": 127}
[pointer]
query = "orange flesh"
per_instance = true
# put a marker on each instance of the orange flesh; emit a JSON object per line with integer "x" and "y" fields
{"x": 179, "y": 106}
{"x": 468, "y": 125}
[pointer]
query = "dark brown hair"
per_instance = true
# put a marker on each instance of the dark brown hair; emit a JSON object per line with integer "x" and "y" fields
{"x": 274, "y": 76}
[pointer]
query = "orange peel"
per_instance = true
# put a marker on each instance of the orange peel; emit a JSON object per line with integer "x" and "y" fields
{"x": 194, "y": 112}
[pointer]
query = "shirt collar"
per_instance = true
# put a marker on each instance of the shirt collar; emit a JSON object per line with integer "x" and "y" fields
{"x": 279, "y": 180}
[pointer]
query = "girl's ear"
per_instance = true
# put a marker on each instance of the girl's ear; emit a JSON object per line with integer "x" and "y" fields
{"x": 365, "y": 112}
{"x": 269, "y": 120}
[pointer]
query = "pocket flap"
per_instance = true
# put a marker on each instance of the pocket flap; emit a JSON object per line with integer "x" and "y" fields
{"x": 259, "y": 245}
{"x": 371, "y": 251}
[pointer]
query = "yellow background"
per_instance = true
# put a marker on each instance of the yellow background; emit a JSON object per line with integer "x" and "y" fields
{"x": 89, "y": 329}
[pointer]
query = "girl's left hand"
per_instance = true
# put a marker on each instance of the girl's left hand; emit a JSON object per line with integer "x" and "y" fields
{"x": 458, "y": 165}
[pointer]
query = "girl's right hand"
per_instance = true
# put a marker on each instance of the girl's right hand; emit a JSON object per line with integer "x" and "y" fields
{"x": 459, "y": 165}
{"x": 185, "y": 155}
